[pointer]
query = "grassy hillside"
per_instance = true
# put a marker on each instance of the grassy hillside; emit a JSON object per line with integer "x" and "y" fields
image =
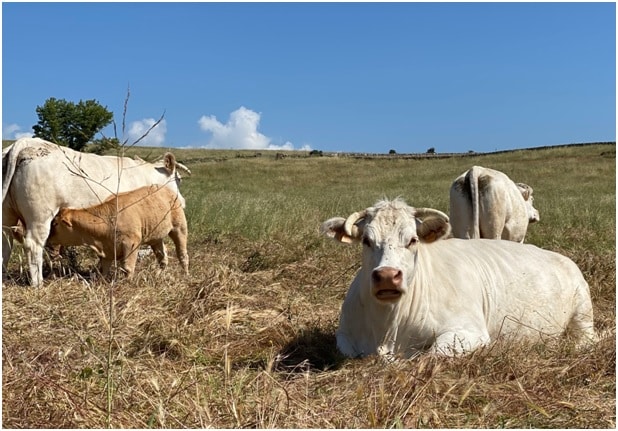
{"x": 247, "y": 340}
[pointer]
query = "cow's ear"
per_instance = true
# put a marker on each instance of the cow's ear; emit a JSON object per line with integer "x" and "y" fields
{"x": 18, "y": 233}
{"x": 18, "y": 230}
{"x": 66, "y": 220}
{"x": 525, "y": 190}
{"x": 431, "y": 225}
{"x": 334, "y": 228}
{"x": 100, "y": 253}
{"x": 169, "y": 161}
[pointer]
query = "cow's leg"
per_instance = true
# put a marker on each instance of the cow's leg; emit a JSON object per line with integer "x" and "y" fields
{"x": 514, "y": 231}
{"x": 491, "y": 226}
{"x": 128, "y": 264}
{"x": 34, "y": 242}
{"x": 129, "y": 246}
{"x": 7, "y": 247}
{"x": 492, "y": 212}
{"x": 106, "y": 265}
{"x": 460, "y": 214}
{"x": 179, "y": 236}
{"x": 346, "y": 346}
{"x": 581, "y": 325}
{"x": 458, "y": 342}
{"x": 9, "y": 218}
{"x": 158, "y": 247}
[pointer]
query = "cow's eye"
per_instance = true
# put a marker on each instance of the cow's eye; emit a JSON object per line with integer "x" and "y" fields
{"x": 366, "y": 241}
{"x": 413, "y": 241}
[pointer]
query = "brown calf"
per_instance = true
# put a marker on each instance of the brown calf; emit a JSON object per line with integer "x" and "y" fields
{"x": 117, "y": 227}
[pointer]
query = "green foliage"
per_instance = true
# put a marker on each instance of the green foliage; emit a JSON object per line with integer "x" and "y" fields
{"x": 70, "y": 124}
{"x": 103, "y": 145}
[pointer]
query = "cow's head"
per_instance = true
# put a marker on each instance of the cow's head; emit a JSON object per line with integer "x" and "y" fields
{"x": 61, "y": 225}
{"x": 391, "y": 233}
{"x": 526, "y": 192}
{"x": 170, "y": 168}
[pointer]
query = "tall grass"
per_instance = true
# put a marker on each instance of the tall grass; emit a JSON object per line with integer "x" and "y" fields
{"x": 574, "y": 191}
{"x": 247, "y": 340}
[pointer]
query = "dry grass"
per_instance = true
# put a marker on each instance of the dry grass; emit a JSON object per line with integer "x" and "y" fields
{"x": 247, "y": 341}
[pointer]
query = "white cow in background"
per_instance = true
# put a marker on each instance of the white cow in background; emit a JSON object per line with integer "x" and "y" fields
{"x": 39, "y": 177}
{"x": 485, "y": 203}
{"x": 416, "y": 292}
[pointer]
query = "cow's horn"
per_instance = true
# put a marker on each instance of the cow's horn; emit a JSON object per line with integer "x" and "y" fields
{"x": 426, "y": 212}
{"x": 168, "y": 162}
{"x": 349, "y": 227}
{"x": 183, "y": 168}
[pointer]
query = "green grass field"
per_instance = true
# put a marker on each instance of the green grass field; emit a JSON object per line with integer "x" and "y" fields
{"x": 247, "y": 340}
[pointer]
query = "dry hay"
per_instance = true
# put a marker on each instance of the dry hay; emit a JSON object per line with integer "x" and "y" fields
{"x": 247, "y": 340}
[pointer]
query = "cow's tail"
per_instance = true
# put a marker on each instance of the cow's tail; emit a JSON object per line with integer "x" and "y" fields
{"x": 9, "y": 162}
{"x": 473, "y": 181}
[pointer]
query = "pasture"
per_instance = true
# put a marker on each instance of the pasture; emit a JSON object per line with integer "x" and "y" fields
{"x": 247, "y": 339}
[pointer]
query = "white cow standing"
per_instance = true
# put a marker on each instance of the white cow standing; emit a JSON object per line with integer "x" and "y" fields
{"x": 39, "y": 177}
{"x": 416, "y": 292}
{"x": 485, "y": 203}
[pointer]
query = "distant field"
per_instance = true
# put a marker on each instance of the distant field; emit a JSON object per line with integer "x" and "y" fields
{"x": 247, "y": 340}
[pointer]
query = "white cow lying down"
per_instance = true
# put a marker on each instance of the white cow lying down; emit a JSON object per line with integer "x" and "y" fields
{"x": 416, "y": 292}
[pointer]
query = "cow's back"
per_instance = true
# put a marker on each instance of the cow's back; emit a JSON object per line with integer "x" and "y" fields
{"x": 520, "y": 288}
{"x": 499, "y": 203}
{"x": 155, "y": 210}
{"x": 486, "y": 203}
{"x": 77, "y": 179}
{"x": 50, "y": 177}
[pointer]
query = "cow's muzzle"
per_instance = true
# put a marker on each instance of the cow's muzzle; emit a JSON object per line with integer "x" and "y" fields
{"x": 387, "y": 284}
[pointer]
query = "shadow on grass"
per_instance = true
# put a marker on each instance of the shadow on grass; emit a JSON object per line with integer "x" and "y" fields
{"x": 56, "y": 265}
{"x": 314, "y": 349}
{"x": 20, "y": 277}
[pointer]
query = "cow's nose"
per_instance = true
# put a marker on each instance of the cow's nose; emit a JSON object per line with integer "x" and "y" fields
{"x": 392, "y": 276}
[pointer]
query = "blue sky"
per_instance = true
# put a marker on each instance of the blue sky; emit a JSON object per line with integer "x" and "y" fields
{"x": 363, "y": 77}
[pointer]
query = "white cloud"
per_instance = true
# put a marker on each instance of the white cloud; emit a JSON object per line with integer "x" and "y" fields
{"x": 240, "y": 132}
{"x": 13, "y": 131}
{"x": 155, "y": 137}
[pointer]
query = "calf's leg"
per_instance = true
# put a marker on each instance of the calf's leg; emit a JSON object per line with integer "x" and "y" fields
{"x": 158, "y": 247}
{"x": 129, "y": 246}
{"x": 179, "y": 236}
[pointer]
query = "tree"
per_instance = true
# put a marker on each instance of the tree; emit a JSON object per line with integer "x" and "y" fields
{"x": 66, "y": 123}
{"x": 100, "y": 146}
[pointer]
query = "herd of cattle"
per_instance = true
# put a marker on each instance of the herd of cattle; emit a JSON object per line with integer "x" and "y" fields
{"x": 427, "y": 281}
